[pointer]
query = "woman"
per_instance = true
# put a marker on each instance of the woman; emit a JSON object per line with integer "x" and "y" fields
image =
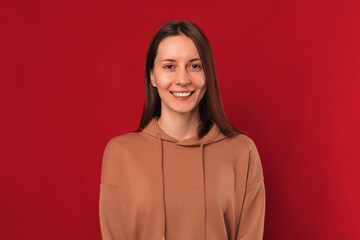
{"x": 187, "y": 173}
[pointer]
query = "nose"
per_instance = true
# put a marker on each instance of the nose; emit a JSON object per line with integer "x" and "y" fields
{"x": 183, "y": 77}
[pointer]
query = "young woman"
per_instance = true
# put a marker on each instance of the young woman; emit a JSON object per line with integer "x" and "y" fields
{"x": 187, "y": 173}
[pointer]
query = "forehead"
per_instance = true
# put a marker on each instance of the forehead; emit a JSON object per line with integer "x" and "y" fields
{"x": 177, "y": 47}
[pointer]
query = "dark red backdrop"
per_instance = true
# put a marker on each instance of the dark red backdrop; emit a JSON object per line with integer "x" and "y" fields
{"x": 72, "y": 78}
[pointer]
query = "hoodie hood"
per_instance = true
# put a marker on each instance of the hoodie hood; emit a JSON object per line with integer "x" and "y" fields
{"x": 153, "y": 129}
{"x": 214, "y": 135}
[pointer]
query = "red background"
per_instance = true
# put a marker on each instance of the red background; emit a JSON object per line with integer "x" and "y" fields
{"x": 72, "y": 78}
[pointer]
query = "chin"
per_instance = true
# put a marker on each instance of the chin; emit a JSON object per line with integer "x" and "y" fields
{"x": 184, "y": 110}
{"x": 180, "y": 108}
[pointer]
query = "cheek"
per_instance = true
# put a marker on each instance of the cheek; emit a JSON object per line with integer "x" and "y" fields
{"x": 199, "y": 79}
{"x": 163, "y": 81}
{"x": 203, "y": 88}
{"x": 163, "y": 86}
{"x": 201, "y": 83}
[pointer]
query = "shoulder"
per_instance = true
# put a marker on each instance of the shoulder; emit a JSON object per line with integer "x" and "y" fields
{"x": 124, "y": 141}
{"x": 126, "y": 138}
{"x": 250, "y": 160}
{"x": 242, "y": 141}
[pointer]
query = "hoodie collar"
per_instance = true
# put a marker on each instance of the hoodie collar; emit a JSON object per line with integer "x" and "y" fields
{"x": 214, "y": 135}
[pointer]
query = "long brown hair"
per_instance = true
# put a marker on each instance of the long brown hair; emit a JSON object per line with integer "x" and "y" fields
{"x": 210, "y": 107}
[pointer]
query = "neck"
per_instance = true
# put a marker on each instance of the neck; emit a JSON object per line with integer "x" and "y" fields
{"x": 180, "y": 126}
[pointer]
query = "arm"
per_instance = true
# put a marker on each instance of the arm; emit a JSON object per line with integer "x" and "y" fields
{"x": 251, "y": 225}
{"x": 110, "y": 213}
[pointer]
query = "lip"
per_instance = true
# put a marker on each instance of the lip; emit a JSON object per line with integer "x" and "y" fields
{"x": 182, "y": 91}
{"x": 181, "y": 98}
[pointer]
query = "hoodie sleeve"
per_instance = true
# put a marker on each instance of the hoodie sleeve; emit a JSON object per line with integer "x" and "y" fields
{"x": 251, "y": 225}
{"x": 110, "y": 213}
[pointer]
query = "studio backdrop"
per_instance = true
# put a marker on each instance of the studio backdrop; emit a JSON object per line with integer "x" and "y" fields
{"x": 72, "y": 77}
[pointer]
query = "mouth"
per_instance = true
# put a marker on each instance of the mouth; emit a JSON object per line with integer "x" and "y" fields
{"x": 182, "y": 94}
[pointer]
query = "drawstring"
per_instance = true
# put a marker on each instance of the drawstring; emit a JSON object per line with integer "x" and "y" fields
{"x": 163, "y": 182}
{"x": 203, "y": 168}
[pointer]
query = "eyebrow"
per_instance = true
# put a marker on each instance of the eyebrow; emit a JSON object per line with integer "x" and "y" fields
{"x": 173, "y": 60}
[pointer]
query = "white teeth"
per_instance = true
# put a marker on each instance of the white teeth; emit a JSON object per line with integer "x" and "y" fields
{"x": 185, "y": 94}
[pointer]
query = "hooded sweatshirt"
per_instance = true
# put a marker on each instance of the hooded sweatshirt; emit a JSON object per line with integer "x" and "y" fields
{"x": 155, "y": 187}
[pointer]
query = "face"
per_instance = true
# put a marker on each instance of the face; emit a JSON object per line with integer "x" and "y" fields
{"x": 178, "y": 75}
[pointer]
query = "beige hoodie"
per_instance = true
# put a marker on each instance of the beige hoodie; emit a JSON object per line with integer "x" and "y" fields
{"x": 154, "y": 187}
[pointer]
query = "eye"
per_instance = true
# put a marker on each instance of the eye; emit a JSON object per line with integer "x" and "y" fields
{"x": 168, "y": 66}
{"x": 196, "y": 66}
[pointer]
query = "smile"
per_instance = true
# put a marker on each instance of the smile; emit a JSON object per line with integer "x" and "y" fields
{"x": 182, "y": 94}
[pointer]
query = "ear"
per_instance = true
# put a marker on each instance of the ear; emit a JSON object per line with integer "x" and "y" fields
{"x": 152, "y": 78}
